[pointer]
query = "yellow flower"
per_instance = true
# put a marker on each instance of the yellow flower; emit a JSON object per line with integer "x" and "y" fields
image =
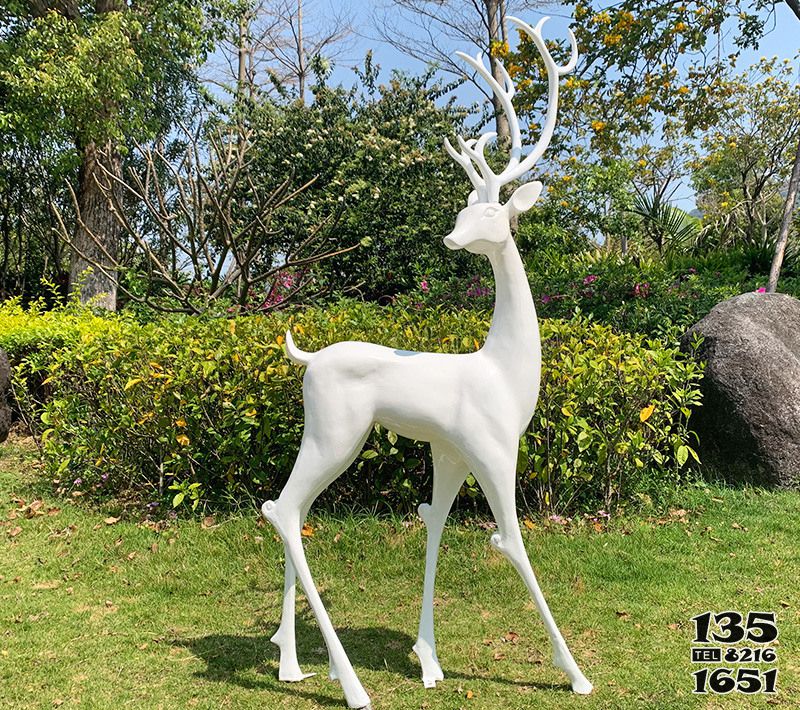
{"x": 180, "y": 423}
{"x": 498, "y": 48}
{"x": 598, "y": 126}
{"x": 683, "y": 90}
{"x": 182, "y": 439}
{"x": 610, "y": 40}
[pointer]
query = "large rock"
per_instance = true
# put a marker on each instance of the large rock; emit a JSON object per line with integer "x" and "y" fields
{"x": 749, "y": 424}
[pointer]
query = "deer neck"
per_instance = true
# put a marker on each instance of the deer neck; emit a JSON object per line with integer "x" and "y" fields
{"x": 514, "y": 334}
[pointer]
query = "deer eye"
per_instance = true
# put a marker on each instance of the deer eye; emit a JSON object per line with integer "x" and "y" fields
{"x": 490, "y": 212}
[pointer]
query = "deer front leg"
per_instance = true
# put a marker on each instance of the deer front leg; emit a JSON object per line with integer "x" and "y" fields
{"x": 497, "y": 478}
{"x": 286, "y": 522}
{"x": 449, "y": 472}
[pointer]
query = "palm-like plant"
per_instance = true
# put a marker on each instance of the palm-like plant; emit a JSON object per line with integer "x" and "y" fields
{"x": 669, "y": 228}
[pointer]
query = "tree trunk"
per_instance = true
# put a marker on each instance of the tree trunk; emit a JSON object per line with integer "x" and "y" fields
{"x": 496, "y": 34}
{"x": 97, "y": 232}
{"x": 786, "y": 224}
{"x": 301, "y": 54}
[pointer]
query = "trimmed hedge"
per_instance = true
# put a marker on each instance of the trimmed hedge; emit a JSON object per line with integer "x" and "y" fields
{"x": 201, "y": 413}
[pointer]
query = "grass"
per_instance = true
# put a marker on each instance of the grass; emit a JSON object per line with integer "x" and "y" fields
{"x": 97, "y": 614}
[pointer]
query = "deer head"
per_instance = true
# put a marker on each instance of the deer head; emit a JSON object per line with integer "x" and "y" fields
{"x": 484, "y": 224}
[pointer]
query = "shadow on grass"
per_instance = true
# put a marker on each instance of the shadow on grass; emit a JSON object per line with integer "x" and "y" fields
{"x": 232, "y": 659}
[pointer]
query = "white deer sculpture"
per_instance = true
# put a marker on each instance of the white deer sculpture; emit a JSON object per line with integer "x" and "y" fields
{"x": 472, "y": 408}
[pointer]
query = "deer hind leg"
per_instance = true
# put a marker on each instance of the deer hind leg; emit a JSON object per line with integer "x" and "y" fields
{"x": 284, "y": 638}
{"x": 323, "y": 456}
{"x": 449, "y": 472}
{"x": 498, "y": 482}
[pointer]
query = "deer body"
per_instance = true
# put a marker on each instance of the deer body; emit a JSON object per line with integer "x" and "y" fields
{"x": 428, "y": 396}
{"x": 472, "y": 408}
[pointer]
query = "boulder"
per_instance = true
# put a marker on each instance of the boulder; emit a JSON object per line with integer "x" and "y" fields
{"x": 749, "y": 422}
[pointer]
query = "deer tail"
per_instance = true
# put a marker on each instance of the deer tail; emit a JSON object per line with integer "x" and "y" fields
{"x": 295, "y": 354}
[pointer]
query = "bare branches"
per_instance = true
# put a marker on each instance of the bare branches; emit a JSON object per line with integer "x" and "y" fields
{"x": 200, "y": 230}
{"x": 277, "y": 43}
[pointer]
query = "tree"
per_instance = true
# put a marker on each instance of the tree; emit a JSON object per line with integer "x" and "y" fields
{"x": 87, "y": 76}
{"x": 378, "y": 160}
{"x": 644, "y": 59}
{"x": 748, "y": 154}
{"x": 199, "y": 232}
{"x": 276, "y": 44}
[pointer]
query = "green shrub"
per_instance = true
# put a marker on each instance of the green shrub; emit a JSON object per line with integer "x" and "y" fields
{"x": 202, "y": 413}
{"x": 632, "y": 294}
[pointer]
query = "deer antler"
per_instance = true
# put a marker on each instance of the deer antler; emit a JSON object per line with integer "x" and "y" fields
{"x": 472, "y": 156}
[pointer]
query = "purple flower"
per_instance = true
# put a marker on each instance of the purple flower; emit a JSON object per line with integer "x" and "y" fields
{"x": 546, "y": 299}
{"x": 77, "y": 482}
{"x": 591, "y": 278}
{"x": 104, "y": 477}
{"x": 641, "y": 290}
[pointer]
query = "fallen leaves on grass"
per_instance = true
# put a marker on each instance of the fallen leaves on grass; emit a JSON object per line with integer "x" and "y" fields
{"x": 307, "y": 530}
{"x": 41, "y": 586}
{"x": 14, "y": 531}
{"x": 111, "y": 520}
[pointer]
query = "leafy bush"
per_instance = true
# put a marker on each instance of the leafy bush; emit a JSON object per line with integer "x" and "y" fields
{"x": 191, "y": 412}
{"x": 633, "y": 294}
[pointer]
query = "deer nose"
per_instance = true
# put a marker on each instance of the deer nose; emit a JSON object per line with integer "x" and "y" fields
{"x": 451, "y": 243}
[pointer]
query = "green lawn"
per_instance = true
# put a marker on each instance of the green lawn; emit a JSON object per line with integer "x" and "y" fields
{"x": 98, "y": 615}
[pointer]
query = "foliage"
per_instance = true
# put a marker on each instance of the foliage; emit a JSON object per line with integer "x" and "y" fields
{"x": 748, "y": 154}
{"x": 635, "y": 293}
{"x": 108, "y": 75}
{"x": 669, "y": 228}
{"x": 641, "y": 61}
{"x": 379, "y": 167}
{"x": 613, "y": 417}
{"x": 204, "y": 413}
{"x": 591, "y": 198}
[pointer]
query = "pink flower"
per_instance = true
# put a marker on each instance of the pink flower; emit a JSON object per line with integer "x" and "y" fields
{"x": 761, "y": 290}
{"x": 641, "y": 290}
{"x": 591, "y": 278}
{"x": 424, "y": 286}
{"x": 545, "y": 299}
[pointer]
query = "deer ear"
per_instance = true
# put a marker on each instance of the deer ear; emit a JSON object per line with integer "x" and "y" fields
{"x": 473, "y": 198}
{"x": 524, "y": 197}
